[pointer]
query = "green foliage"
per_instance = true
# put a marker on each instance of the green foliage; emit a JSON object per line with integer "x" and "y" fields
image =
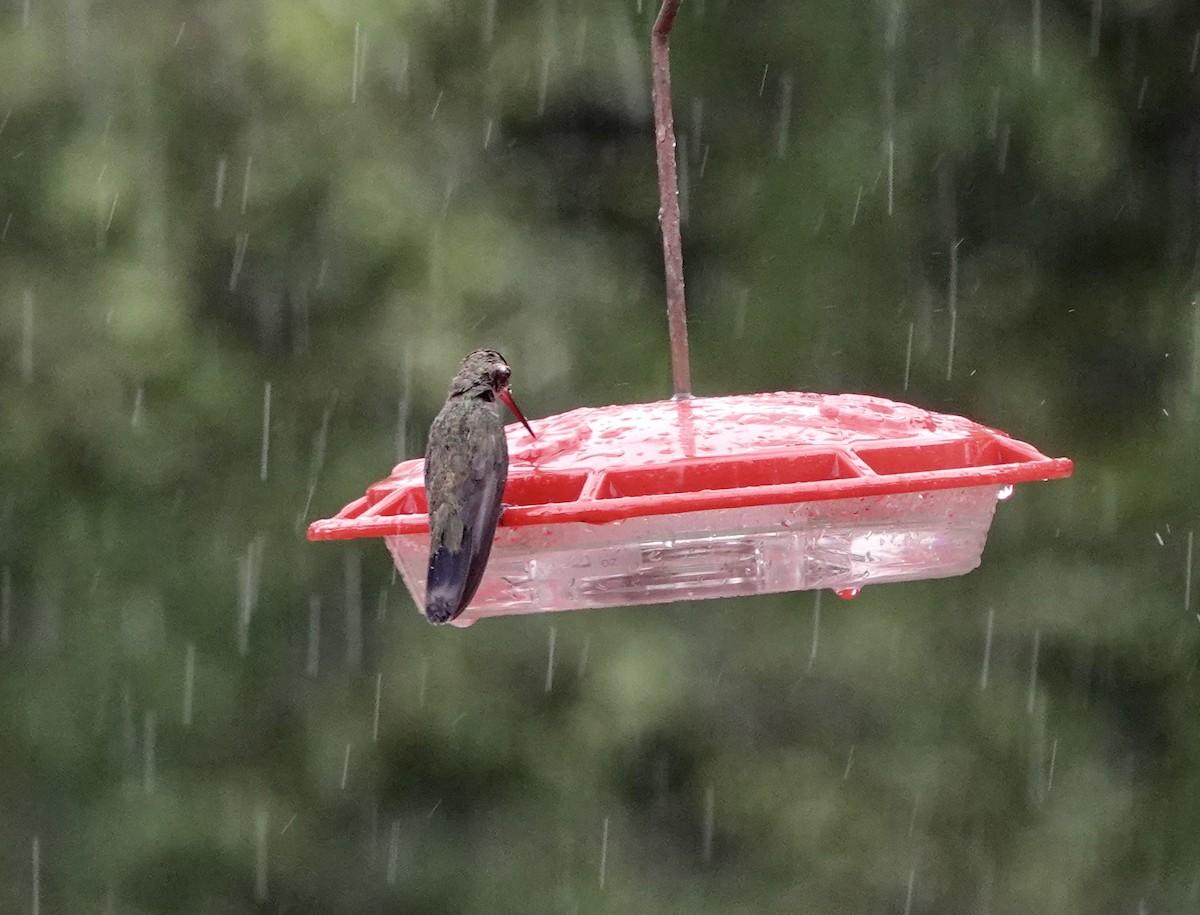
{"x": 219, "y": 215}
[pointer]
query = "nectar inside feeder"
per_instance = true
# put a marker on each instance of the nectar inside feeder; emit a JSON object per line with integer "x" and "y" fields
{"x": 718, "y": 497}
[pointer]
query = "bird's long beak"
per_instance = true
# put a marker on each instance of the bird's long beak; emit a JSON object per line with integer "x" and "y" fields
{"x": 506, "y": 396}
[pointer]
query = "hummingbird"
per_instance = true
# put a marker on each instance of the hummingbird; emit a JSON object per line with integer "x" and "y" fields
{"x": 466, "y": 465}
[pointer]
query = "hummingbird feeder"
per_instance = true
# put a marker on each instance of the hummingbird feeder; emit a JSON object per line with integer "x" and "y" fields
{"x": 715, "y": 496}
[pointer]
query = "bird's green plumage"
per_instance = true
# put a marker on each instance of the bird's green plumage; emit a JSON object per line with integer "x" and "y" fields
{"x": 466, "y": 465}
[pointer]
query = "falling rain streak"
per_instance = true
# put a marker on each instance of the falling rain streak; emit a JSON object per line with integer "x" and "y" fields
{"x": 27, "y": 336}
{"x": 5, "y": 606}
{"x": 709, "y": 826}
{"x": 35, "y": 901}
{"x": 189, "y": 683}
{"x": 149, "y": 753}
{"x": 354, "y": 646}
{"x": 266, "y": 432}
{"x": 550, "y": 659}
{"x": 952, "y": 299}
{"x": 378, "y": 703}
{"x": 219, "y": 191}
{"x": 908, "y": 355}
{"x": 1187, "y": 572}
{"x": 816, "y": 629}
{"x": 1094, "y": 37}
{"x": 785, "y": 115}
{"x": 393, "y": 865}
{"x": 987, "y": 649}
{"x": 239, "y": 256}
{"x": 604, "y": 853}
{"x": 1035, "y": 30}
{"x": 1033, "y": 672}
{"x": 246, "y": 182}
{"x": 262, "y": 823}
{"x": 249, "y": 567}
{"x": 313, "y": 656}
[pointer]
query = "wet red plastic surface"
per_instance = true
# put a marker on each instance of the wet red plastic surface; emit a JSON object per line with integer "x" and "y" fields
{"x": 603, "y": 464}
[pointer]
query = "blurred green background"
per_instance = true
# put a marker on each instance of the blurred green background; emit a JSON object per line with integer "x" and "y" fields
{"x": 217, "y": 216}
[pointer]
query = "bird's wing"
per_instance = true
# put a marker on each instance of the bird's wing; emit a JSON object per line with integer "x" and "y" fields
{"x": 454, "y": 574}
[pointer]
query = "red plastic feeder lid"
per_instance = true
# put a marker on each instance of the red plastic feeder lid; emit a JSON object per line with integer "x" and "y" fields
{"x": 604, "y": 464}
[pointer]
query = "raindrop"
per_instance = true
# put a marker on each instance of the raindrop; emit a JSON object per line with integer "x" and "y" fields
{"x": 437, "y": 103}
{"x": 785, "y": 114}
{"x": 1158, "y": 537}
{"x": 763, "y": 83}
{"x": 1002, "y": 152}
{"x": 354, "y": 647}
{"x": 354, "y": 74}
{"x": 1187, "y": 581}
{"x": 550, "y": 659}
{"x": 543, "y": 83}
{"x": 27, "y": 335}
{"x": 891, "y": 174}
{"x": 136, "y": 419}
{"x": 1195, "y": 51}
{"x": 179, "y": 34}
{"x": 1053, "y": 758}
{"x": 912, "y": 878}
{"x": 378, "y": 703}
{"x": 1004, "y": 492}
{"x": 816, "y": 630}
{"x": 583, "y": 656}
{"x": 149, "y": 765}
{"x": 1036, "y": 38}
{"x": 488, "y": 31}
{"x": 952, "y": 302}
{"x": 1033, "y": 671}
{"x": 706, "y": 835}
{"x": 313, "y": 659}
{"x": 857, "y": 206}
{"x": 318, "y": 457}
{"x": 7, "y": 223}
{"x": 35, "y": 903}
{"x": 219, "y": 193}
{"x": 262, "y": 822}
{"x": 5, "y": 606}
{"x": 404, "y": 406}
{"x": 346, "y": 767}
{"x": 849, "y": 763}
{"x": 239, "y": 255}
{"x": 393, "y": 865}
{"x": 848, "y": 593}
{"x": 1094, "y": 37}
{"x": 189, "y": 683}
{"x": 266, "y": 432}
{"x": 908, "y": 355}
{"x": 1142, "y": 91}
{"x": 246, "y": 182}
{"x": 4, "y": 120}
{"x": 581, "y": 40}
{"x": 604, "y": 853}
{"x": 248, "y": 574}
{"x": 987, "y": 649}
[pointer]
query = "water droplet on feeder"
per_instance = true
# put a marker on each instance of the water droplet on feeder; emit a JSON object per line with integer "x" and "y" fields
{"x": 848, "y": 593}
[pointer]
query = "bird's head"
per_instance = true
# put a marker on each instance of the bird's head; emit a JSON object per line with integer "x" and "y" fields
{"x": 484, "y": 373}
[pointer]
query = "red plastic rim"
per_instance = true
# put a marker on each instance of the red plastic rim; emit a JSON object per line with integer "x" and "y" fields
{"x": 602, "y": 464}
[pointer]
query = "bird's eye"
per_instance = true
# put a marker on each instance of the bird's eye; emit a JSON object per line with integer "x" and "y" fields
{"x": 500, "y": 375}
